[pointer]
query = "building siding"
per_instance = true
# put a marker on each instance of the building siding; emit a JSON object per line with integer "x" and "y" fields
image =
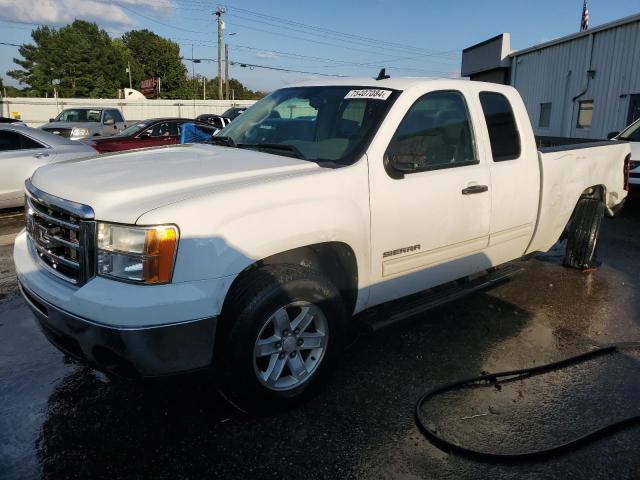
{"x": 557, "y": 73}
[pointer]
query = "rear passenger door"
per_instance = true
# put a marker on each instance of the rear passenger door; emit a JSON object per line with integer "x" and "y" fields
{"x": 431, "y": 225}
{"x": 515, "y": 174}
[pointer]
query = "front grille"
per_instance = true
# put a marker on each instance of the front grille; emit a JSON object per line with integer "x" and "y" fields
{"x": 62, "y": 235}
{"x": 63, "y": 132}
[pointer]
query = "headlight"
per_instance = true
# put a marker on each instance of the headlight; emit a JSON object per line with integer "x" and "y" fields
{"x": 137, "y": 254}
{"x": 79, "y": 132}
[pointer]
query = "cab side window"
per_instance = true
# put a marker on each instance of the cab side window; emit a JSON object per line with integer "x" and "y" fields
{"x": 501, "y": 122}
{"x": 116, "y": 116}
{"x": 435, "y": 133}
{"x": 163, "y": 129}
{"x": 108, "y": 116}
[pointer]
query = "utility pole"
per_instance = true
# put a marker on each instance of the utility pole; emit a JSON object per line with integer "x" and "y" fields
{"x": 129, "y": 70}
{"x": 219, "y": 11}
{"x": 226, "y": 71}
{"x": 204, "y": 87}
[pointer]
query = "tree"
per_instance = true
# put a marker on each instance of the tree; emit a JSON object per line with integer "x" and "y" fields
{"x": 79, "y": 60}
{"x": 156, "y": 57}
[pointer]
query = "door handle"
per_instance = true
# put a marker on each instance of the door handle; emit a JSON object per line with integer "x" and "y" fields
{"x": 473, "y": 189}
{"x": 40, "y": 155}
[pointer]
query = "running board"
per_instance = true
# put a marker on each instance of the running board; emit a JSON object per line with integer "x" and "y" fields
{"x": 396, "y": 311}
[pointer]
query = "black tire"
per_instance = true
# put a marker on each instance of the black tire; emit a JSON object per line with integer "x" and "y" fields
{"x": 254, "y": 298}
{"x": 583, "y": 233}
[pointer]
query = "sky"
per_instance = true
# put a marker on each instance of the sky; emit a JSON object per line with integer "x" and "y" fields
{"x": 330, "y": 37}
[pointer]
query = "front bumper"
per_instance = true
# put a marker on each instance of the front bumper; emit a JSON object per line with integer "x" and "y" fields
{"x": 129, "y": 352}
{"x": 130, "y": 330}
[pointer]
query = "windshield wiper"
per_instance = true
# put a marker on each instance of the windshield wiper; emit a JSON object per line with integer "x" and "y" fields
{"x": 291, "y": 149}
{"x": 223, "y": 140}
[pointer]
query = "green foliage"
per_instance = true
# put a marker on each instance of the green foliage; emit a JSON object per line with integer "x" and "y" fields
{"x": 80, "y": 60}
{"x": 156, "y": 57}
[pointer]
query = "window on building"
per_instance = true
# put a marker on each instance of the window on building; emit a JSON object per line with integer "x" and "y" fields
{"x": 545, "y": 115}
{"x": 585, "y": 114}
{"x": 435, "y": 133}
{"x": 501, "y": 122}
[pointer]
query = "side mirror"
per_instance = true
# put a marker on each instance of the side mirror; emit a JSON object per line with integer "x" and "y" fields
{"x": 406, "y": 162}
{"x": 146, "y": 134}
{"x": 52, "y": 120}
{"x": 109, "y": 121}
{"x": 611, "y": 135}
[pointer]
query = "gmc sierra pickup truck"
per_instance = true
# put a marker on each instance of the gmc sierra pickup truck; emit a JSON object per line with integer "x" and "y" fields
{"x": 325, "y": 199}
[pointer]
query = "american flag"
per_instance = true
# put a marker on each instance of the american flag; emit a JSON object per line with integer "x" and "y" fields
{"x": 584, "y": 24}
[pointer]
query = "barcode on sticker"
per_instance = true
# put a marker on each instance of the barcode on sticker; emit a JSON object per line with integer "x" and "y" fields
{"x": 372, "y": 93}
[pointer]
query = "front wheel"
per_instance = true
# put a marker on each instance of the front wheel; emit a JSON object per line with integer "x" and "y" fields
{"x": 282, "y": 329}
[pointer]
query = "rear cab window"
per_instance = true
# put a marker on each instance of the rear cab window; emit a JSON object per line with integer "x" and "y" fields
{"x": 501, "y": 124}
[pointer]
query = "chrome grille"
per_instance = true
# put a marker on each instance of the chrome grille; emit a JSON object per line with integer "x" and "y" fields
{"x": 62, "y": 235}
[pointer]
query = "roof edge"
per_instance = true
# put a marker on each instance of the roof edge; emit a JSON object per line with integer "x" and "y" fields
{"x": 573, "y": 36}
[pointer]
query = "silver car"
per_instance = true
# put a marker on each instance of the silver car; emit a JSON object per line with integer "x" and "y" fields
{"x": 23, "y": 150}
{"x": 86, "y": 122}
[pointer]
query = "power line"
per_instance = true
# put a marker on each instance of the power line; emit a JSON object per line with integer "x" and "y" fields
{"x": 253, "y": 65}
{"x": 158, "y": 21}
{"x": 370, "y": 40}
{"x": 350, "y": 41}
{"x": 333, "y": 34}
{"x": 10, "y": 44}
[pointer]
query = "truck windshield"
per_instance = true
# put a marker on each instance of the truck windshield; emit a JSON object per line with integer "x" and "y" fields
{"x": 79, "y": 115}
{"x": 323, "y": 124}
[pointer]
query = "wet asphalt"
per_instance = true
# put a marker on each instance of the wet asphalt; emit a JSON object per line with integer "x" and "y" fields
{"x": 62, "y": 420}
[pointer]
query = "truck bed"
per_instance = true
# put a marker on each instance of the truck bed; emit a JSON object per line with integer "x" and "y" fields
{"x": 566, "y": 172}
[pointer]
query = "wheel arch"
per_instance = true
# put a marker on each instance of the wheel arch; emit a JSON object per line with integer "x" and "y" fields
{"x": 335, "y": 260}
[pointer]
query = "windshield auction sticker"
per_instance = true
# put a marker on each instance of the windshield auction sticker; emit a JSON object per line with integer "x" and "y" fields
{"x": 371, "y": 93}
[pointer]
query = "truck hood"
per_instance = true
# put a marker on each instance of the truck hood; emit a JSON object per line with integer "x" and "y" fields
{"x": 89, "y": 125}
{"x": 121, "y": 187}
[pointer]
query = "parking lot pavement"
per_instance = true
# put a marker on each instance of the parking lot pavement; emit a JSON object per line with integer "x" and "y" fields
{"x": 61, "y": 420}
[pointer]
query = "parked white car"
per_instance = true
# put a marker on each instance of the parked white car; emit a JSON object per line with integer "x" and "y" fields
{"x": 252, "y": 257}
{"x": 632, "y": 135}
{"x": 22, "y": 150}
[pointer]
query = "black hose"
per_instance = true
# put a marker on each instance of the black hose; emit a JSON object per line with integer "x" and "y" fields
{"x": 494, "y": 378}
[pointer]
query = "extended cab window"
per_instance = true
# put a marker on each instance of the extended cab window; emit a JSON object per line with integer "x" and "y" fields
{"x": 501, "y": 122}
{"x": 15, "y": 141}
{"x": 435, "y": 133}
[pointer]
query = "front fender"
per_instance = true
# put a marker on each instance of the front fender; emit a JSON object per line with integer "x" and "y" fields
{"x": 223, "y": 233}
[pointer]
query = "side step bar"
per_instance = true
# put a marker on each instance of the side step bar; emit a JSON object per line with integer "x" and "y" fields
{"x": 396, "y": 311}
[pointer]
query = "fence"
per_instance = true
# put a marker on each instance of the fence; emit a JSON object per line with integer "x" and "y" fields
{"x": 36, "y": 111}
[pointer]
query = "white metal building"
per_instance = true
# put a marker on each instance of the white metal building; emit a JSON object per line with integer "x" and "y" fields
{"x": 584, "y": 85}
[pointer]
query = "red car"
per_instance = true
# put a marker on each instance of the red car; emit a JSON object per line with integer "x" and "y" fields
{"x": 148, "y": 133}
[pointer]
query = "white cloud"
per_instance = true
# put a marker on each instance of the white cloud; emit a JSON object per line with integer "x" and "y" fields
{"x": 266, "y": 55}
{"x": 60, "y": 12}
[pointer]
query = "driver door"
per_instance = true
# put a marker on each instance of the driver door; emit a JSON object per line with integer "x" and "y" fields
{"x": 430, "y": 222}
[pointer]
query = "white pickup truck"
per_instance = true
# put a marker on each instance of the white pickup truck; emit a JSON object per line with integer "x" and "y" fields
{"x": 323, "y": 200}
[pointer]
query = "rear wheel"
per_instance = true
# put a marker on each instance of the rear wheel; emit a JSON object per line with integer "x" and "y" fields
{"x": 282, "y": 329}
{"x": 583, "y": 233}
